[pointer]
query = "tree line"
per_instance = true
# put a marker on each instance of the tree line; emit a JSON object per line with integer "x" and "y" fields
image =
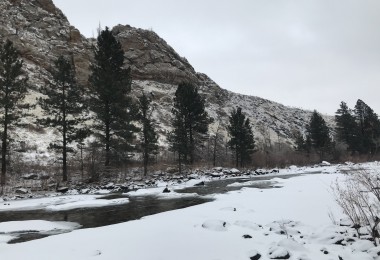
{"x": 356, "y": 132}
{"x": 106, "y": 110}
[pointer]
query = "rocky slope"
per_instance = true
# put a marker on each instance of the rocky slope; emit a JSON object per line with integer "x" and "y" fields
{"x": 42, "y": 32}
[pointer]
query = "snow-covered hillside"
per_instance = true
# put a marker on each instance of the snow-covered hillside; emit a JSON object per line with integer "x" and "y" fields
{"x": 42, "y": 32}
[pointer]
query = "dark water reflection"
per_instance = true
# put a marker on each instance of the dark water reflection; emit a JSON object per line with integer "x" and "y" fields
{"x": 221, "y": 186}
{"x": 96, "y": 217}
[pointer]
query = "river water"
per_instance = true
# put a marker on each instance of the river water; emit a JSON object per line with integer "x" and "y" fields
{"x": 136, "y": 208}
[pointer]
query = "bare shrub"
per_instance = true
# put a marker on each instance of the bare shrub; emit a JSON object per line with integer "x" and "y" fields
{"x": 359, "y": 198}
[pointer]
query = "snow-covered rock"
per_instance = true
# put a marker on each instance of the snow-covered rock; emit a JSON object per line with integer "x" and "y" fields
{"x": 216, "y": 225}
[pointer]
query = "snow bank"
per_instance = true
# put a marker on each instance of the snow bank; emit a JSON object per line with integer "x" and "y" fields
{"x": 36, "y": 226}
{"x": 60, "y": 203}
{"x": 12, "y": 229}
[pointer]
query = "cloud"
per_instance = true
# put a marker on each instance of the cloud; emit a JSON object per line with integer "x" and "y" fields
{"x": 311, "y": 54}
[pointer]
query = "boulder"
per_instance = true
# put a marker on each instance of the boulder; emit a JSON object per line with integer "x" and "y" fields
{"x": 257, "y": 256}
{"x": 216, "y": 174}
{"x": 324, "y": 163}
{"x": 62, "y": 189}
{"x": 277, "y": 252}
{"x": 21, "y": 191}
{"x": 234, "y": 171}
{"x": 166, "y": 190}
{"x": 30, "y": 176}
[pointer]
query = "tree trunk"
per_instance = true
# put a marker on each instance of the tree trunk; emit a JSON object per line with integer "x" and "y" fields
{"x": 179, "y": 163}
{"x": 146, "y": 157}
{"x": 107, "y": 133}
{"x": 191, "y": 145}
{"x": 64, "y": 156}
{"x": 81, "y": 162}
{"x": 237, "y": 157}
{"x": 145, "y": 148}
{"x": 64, "y": 141}
{"x": 214, "y": 152}
{"x": 4, "y": 150}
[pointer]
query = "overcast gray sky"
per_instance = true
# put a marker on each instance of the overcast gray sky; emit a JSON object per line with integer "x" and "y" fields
{"x": 302, "y": 53}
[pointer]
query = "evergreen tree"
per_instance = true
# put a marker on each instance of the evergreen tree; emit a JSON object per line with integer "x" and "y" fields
{"x": 13, "y": 87}
{"x": 110, "y": 87}
{"x": 149, "y": 137}
{"x": 178, "y": 140}
{"x": 189, "y": 123}
{"x": 319, "y": 134}
{"x": 242, "y": 139}
{"x": 300, "y": 142}
{"x": 369, "y": 127}
{"x": 63, "y": 105}
{"x": 346, "y": 127}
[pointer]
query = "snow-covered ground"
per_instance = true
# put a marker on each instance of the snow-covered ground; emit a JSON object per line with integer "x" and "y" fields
{"x": 292, "y": 221}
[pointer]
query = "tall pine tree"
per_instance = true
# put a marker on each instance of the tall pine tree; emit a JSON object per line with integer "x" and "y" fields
{"x": 62, "y": 107}
{"x": 319, "y": 134}
{"x": 13, "y": 87}
{"x": 111, "y": 103}
{"x": 346, "y": 127}
{"x": 368, "y": 127}
{"x": 149, "y": 137}
{"x": 190, "y": 121}
{"x": 242, "y": 140}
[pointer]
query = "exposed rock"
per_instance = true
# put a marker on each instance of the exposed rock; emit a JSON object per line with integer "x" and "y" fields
{"x": 30, "y": 176}
{"x": 21, "y": 191}
{"x": 277, "y": 252}
{"x": 234, "y": 171}
{"x": 47, "y": 5}
{"x": 257, "y": 256}
{"x": 247, "y": 236}
{"x": 166, "y": 190}
{"x": 216, "y": 174}
{"x": 109, "y": 186}
{"x": 62, "y": 189}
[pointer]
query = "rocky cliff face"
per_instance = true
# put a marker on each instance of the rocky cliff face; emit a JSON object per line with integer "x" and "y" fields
{"x": 41, "y": 32}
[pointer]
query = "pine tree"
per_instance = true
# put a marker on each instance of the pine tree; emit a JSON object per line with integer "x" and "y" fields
{"x": 242, "y": 139}
{"x": 13, "y": 88}
{"x": 346, "y": 127}
{"x": 369, "y": 127}
{"x": 319, "y": 134}
{"x": 300, "y": 142}
{"x": 110, "y": 99}
{"x": 62, "y": 105}
{"x": 178, "y": 140}
{"x": 189, "y": 123}
{"x": 149, "y": 138}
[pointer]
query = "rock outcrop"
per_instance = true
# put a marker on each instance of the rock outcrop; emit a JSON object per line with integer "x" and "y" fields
{"x": 42, "y": 32}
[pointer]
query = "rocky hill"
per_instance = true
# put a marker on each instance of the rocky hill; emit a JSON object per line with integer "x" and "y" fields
{"x": 42, "y": 32}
